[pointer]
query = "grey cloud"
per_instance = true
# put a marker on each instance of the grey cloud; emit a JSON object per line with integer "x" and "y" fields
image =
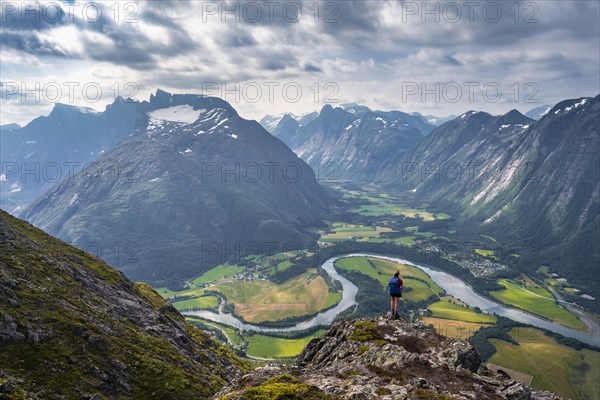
{"x": 237, "y": 38}
{"x": 30, "y": 43}
{"x": 450, "y": 60}
{"x": 18, "y": 21}
{"x": 122, "y": 54}
{"x": 312, "y": 68}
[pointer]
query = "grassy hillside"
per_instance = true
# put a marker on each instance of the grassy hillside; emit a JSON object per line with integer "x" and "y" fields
{"x": 72, "y": 327}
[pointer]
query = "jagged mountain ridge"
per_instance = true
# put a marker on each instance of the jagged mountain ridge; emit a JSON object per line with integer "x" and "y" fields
{"x": 382, "y": 359}
{"x": 73, "y": 327}
{"x": 196, "y": 187}
{"x": 54, "y": 147}
{"x": 270, "y": 122}
{"x": 534, "y": 184}
{"x": 351, "y": 143}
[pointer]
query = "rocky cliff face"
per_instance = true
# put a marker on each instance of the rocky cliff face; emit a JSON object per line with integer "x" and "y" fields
{"x": 351, "y": 144}
{"x": 381, "y": 359}
{"x": 71, "y": 327}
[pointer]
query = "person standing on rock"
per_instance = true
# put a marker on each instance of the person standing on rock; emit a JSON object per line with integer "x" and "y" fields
{"x": 395, "y": 290}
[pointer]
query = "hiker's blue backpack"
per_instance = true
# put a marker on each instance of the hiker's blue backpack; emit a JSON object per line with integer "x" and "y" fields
{"x": 394, "y": 287}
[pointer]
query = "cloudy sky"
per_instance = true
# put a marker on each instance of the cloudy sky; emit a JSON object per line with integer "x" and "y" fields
{"x": 268, "y": 57}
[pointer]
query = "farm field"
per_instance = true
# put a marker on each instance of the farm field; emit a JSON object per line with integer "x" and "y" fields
{"x": 422, "y": 286}
{"x": 265, "y": 346}
{"x": 445, "y": 309}
{"x": 258, "y": 301}
{"x": 536, "y": 300}
{"x": 567, "y": 372}
{"x": 384, "y": 204}
{"x": 189, "y": 292}
{"x": 332, "y": 299}
{"x": 216, "y": 273}
{"x": 382, "y": 208}
{"x": 486, "y": 253}
{"x": 453, "y": 329}
{"x": 203, "y": 302}
{"x": 195, "y": 286}
{"x": 343, "y": 231}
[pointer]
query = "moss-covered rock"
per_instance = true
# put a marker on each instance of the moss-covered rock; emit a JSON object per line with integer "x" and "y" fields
{"x": 366, "y": 331}
{"x": 278, "y": 387}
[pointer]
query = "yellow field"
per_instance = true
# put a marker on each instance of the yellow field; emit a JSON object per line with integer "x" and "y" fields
{"x": 445, "y": 309}
{"x": 351, "y": 231}
{"x": 453, "y": 329}
{"x": 258, "y": 301}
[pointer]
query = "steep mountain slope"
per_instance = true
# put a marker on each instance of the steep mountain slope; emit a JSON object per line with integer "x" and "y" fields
{"x": 382, "y": 359}
{"x": 351, "y": 143}
{"x": 457, "y": 155}
{"x": 414, "y": 120}
{"x": 534, "y": 184}
{"x": 198, "y": 186}
{"x": 54, "y": 147}
{"x": 71, "y": 327}
{"x": 538, "y": 112}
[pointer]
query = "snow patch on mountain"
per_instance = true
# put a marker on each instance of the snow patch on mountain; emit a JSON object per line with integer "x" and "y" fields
{"x": 87, "y": 110}
{"x": 181, "y": 114}
{"x": 567, "y": 109}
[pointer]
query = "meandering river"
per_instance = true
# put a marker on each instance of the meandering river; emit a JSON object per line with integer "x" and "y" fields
{"x": 451, "y": 284}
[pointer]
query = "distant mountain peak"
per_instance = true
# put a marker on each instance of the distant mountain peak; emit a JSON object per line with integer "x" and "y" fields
{"x": 538, "y": 112}
{"x": 472, "y": 113}
{"x": 354, "y": 108}
{"x": 514, "y": 117}
{"x": 62, "y": 107}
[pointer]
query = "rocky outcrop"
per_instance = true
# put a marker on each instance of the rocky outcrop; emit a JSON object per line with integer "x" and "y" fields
{"x": 383, "y": 359}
